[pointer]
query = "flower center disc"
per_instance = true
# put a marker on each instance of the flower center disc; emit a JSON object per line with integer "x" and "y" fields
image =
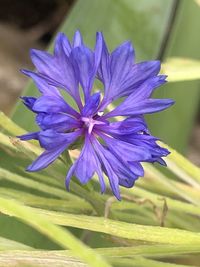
{"x": 90, "y": 122}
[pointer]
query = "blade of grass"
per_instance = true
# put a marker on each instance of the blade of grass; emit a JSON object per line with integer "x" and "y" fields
{"x": 9, "y": 126}
{"x": 181, "y": 69}
{"x": 165, "y": 181}
{"x": 49, "y": 180}
{"x": 79, "y": 206}
{"x": 7, "y": 244}
{"x": 5, "y": 141}
{"x": 181, "y": 165}
{"x": 143, "y": 262}
{"x": 173, "y": 204}
{"x": 121, "y": 212}
{"x": 65, "y": 258}
{"x": 122, "y": 229}
{"x": 57, "y": 234}
{"x": 155, "y": 251}
{"x": 17, "y": 179}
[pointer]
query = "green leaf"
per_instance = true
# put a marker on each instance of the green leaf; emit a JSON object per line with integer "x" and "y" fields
{"x": 7, "y": 244}
{"x": 64, "y": 258}
{"x": 72, "y": 206}
{"x": 142, "y": 262}
{"x": 120, "y": 229}
{"x": 182, "y": 166}
{"x": 36, "y": 259}
{"x": 152, "y": 251}
{"x": 155, "y": 251}
{"x": 55, "y": 233}
{"x": 29, "y": 183}
{"x": 181, "y": 69}
{"x": 8, "y": 125}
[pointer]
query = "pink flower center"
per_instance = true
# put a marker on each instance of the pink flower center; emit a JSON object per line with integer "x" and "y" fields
{"x": 90, "y": 122}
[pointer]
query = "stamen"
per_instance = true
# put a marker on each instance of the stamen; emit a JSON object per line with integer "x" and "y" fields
{"x": 90, "y": 122}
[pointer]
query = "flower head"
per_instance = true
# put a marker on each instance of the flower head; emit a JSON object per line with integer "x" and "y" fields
{"x": 113, "y": 148}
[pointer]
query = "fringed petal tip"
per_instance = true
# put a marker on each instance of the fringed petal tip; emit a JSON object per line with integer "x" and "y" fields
{"x": 24, "y": 71}
{"x": 29, "y": 169}
{"x": 28, "y": 136}
{"x": 118, "y": 196}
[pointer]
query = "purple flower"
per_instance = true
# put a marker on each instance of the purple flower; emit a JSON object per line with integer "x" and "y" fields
{"x": 113, "y": 148}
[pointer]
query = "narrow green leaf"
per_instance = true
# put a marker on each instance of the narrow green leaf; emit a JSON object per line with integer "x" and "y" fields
{"x": 173, "y": 204}
{"x": 164, "y": 180}
{"x": 113, "y": 255}
{"x": 8, "y": 125}
{"x": 29, "y": 183}
{"x": 122, "y": 229}
{"x": 181, "y": 165}
{"x": 73, "y": 206}
{"x": 5, "y": 142}
{"x": 55, "y": 233}
{"x": 7, "y": 244}
{"x": 143, "y": 262}
{"x": 181, "y": 69}
{"x": 153, "y": 251}
{"x": 44, "y": 259}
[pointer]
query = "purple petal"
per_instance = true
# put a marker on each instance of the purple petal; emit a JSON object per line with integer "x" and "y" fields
{"x": 77, "y": 40}
{"x": 57, "y": 70}
{"x": 139, "y": 98}
{"x": 83, "y": 60}
{"x": 104, "y": 66}
{"x": 86, "y": 165}
{"x": 50, "y": 104}
{"x": 87, "y": 63}
{"x": 28, "y": 136}
{"x": 128, "y": 108}
{"x": 97, "y": 56}
{"x": 161, "y": 162}
{"x": 136, "y": 168}
{"x": 43, "y": 61}
{"x": 48, "y": 79}
{"x": 125, "y": 172}
{"x": 104, "y": 158}
{"x": 149, "y": 143}
{"x": 117, "y": 169}
{"x": 50, "y": 139}
{"x": 42, "y": 84}
{"x": 58, "y": 122}
{"x": 46, "y": 158}
{"x": 145, "y": 90}
{"x": 125, "y": 127}
{"x": 126, "y": 150}
{"x": 91, "y": 105}
{"x": 138, "y": 74}
{"x": 28, "y": 101}
{"x": 122, "y": 59}
{"x": 65, "y": 67}
{"x": 121, "y": 62}
{"x": 62, "y": 43}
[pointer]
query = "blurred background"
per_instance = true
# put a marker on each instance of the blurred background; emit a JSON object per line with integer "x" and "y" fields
{"x": 159, "y": 30}
{"x": 24, "y": 25}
